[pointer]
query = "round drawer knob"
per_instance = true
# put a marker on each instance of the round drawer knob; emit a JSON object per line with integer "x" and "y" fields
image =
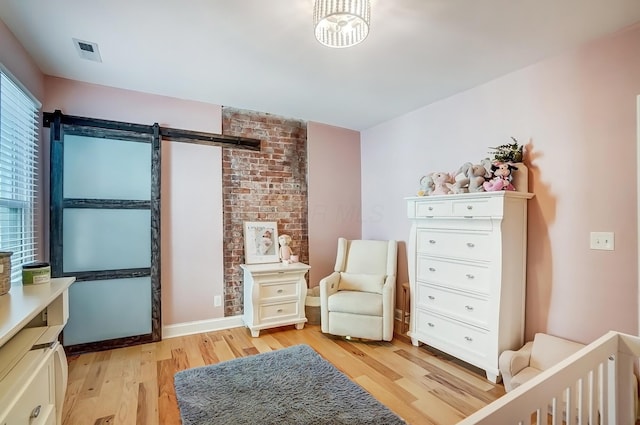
{"x": 280, "y": 291}
{"x": 431, "y": 325}
{"x": 431, "y": 269}
{"x": 279, "y": 310}
{"x": 470, "y": 276}
{"x": 432, "y": 242}
{"x": 469, "y": 307}
{"x": 470, "y": 244}
{"x": 431, "y": 297}
{"x": 468, "y": 338}
{"x": 430, "y": 208}
{"x": 469, "y": 207}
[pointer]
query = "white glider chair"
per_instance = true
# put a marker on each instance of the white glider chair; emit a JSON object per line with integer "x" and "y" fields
{"x": 358, "y": 299}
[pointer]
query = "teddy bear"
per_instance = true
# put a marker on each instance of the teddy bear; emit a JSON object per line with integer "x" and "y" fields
{"x": 487, "y": 164}
{"x": 426, "y": 185}
{"x": 440, "y": 180}
{"x": 476, "y": 176}
{"x": 502, "y": 177}
{"x": 460, "y": 180}
{"x": 285, "y": 250}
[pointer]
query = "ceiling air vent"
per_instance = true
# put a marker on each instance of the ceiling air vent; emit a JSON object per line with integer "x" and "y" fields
{"x": 87, "y": 50}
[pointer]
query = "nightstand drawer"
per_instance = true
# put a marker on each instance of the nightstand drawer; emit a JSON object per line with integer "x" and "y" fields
{"x": 455, "y": 274}
{"x": 275, "y": 291}
{"x": 278, "y": 311}
{"x": 276, "y": 277}
{"x": 35, "y": 403}
{"x": 464, "y": 307}
{"x": 467, "y": 338}
{"x": 457, "y": 244}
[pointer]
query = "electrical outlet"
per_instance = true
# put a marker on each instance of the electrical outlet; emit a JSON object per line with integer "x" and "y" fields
{"x": 217, "y": 301}
{"x": 602, "y": 240}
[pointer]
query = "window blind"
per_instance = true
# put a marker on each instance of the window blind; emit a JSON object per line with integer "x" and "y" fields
{"x": 19, "y": 207}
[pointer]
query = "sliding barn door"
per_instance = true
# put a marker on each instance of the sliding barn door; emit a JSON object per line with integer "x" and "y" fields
{"x": 105, "y": 232}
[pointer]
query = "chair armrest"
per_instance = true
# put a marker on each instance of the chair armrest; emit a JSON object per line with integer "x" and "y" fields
{"x": 511, "y": 362}
{"x": 328, "y": 287}
{"x": 388, "y": 307}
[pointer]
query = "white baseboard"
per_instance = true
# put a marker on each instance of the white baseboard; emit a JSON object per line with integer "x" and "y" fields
{"x": 190, "y": 328}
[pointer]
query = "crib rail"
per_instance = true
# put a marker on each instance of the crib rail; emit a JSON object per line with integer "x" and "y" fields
{"x": 593, "y": 386}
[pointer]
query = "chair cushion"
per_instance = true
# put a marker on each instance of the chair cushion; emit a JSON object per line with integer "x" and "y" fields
{"x": 364, "y": 303}
{"x": 361, "y": 282}
{"x": 367, "y": 256}
{"x": 523, "y": 376}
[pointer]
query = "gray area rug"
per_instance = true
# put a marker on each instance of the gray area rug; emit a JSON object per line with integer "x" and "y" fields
{"x": 293, "y": 385}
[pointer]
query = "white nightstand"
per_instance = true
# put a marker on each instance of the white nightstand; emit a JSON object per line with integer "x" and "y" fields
{"x": 274, "y": 295}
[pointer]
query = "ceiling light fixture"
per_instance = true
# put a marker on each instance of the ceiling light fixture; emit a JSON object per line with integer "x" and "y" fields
{"x": 341, "y": 23}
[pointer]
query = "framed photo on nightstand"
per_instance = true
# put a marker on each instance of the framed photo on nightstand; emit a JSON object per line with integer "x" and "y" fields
{"x": 260, "y": 242}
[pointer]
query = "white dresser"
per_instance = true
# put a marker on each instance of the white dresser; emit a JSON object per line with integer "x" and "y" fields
{"x": 33, "y": 367}
{"x": 274, "y": 295}
{"x": 467, "y": 272}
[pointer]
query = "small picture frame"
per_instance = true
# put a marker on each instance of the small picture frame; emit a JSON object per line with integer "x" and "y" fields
{"x": 261, "y": 242}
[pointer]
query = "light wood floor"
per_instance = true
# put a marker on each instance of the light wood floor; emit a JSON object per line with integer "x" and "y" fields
{"x": 134, "y": 385}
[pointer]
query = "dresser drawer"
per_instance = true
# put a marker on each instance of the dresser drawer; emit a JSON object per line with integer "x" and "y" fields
{"x": 275, "y": 291}
{"x": 455, "y": 274}
{"x": 475, "y": 246}
{"x": 477, "y": 207}
{"x": 35, "y": 401}
{"x": 433, "y": 208}
{"x": 271, "y": 312}
{"x": 464, "y": 307}
{"x": 467, "y": 338}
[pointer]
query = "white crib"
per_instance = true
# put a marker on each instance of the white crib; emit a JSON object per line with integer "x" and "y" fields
{"x": 597, "y": 384}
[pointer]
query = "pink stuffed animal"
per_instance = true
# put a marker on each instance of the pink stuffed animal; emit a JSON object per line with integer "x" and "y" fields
{"x": 440, "y": 181}
{"x": 502, "y": 177}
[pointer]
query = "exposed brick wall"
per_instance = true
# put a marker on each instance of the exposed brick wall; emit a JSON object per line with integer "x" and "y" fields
{"x": 270, "y": 185}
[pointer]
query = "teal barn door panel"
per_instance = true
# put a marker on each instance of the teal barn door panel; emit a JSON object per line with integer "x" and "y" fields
{"x": 109, "y": 309}
{"x": 98, "y": 168}
{"x": 105, "y": 239}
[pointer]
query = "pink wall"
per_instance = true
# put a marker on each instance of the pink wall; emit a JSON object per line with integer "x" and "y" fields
{"x": 19, "y": 63}
{"x": 192, "y": 232}
{"x": 333, "y": 156}
{"x": 577, "y": 115}
{"x": 184, "y": 296}
{"x": 91, "y": 100}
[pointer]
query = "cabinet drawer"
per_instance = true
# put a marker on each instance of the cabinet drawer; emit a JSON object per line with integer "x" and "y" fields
{"x": 455, "y": 274}
{"x": 274, "y": 291}
{"x": 476, "y": 246}
{"x": 488, "y": 207}
{"x": 34, "y": 402}
{"x": 269, "y": 312}
{"x": 467, "y": 338}
{"x": 464, "y": 307}
{"x": 276, "y": 277}
{"x": 433, "y": 209}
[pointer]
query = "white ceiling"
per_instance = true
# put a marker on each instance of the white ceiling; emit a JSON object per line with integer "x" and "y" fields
{"x": 261, "y": 54}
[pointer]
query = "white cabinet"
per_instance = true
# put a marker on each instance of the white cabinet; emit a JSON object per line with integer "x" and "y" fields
{"x": 33, "y": 368}
{"x": 274, "y": 295}
{"x": 467, "y": 273}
